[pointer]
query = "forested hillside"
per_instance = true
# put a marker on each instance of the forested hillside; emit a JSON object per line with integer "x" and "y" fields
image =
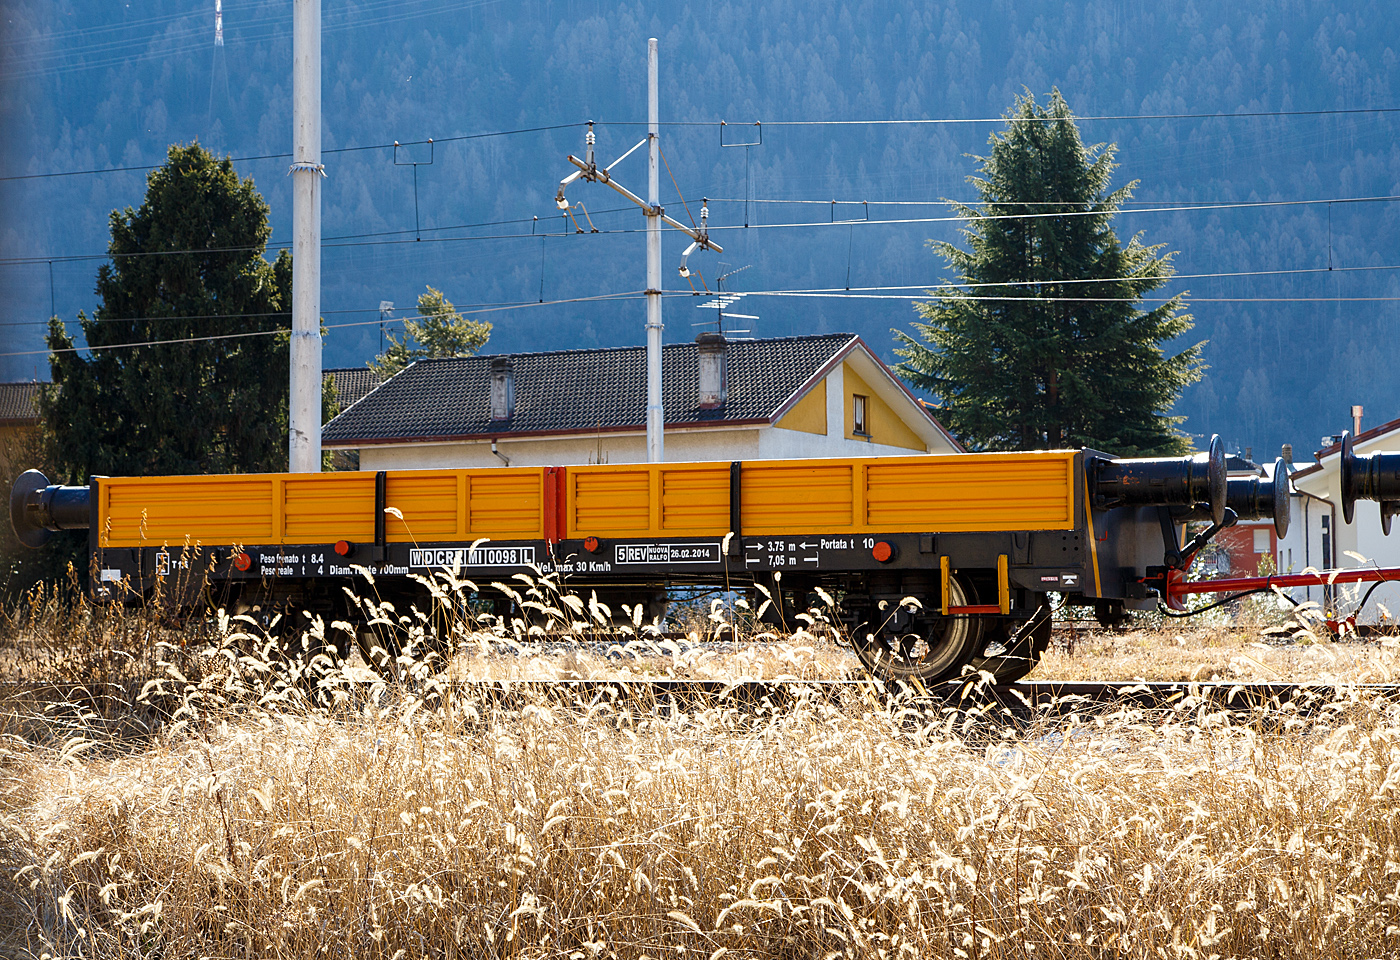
{"x": 90, "y": 86}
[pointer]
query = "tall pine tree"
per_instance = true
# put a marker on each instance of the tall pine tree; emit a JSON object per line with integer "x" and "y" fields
{"x": 186, "y": 284}
{"x": 1043, "y": 342}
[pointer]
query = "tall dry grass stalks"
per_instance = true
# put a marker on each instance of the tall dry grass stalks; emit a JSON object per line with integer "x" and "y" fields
{"x": 333, "y": 813}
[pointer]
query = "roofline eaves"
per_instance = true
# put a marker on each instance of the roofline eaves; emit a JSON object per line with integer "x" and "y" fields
{"x": 500, "y": 435}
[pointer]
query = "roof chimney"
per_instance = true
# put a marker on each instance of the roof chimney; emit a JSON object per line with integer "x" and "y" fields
{"x": 712, "y": 348}
{"x": 1288, "y": 454}
{"x": 502, "y": 389}
{"x": 1356, "y": 412}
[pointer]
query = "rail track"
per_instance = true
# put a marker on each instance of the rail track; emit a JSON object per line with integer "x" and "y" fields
{"x": 1023, "y": 700}
{"x": 1033, "y": 697}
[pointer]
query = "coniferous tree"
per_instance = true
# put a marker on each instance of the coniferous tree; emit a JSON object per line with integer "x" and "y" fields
{"x": 187, "y": 266}
{"x": 443, "y": 332}
{"x": 1043, "y": 341}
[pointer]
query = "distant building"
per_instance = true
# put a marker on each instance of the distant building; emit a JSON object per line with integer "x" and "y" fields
{"x": 352, "y": 383}
{"x": 816, "y": 396}
{"x": 19, "y": 420}
{"x": 1250, "y": 545}
{"x": 1319, "y": 537}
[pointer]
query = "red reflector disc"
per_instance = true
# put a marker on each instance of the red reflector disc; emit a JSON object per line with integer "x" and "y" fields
{"x": 344, "y": 547}
{"x": 242, "y": 562}
{"x": 883, "y": 551}
{"x": 590, "y": 544}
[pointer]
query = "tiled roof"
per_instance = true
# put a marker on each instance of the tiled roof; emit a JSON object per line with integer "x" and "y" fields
{"x": 352, "y": 383}
{"x": 17, "y": 403}
{"x": 580, "y": 390}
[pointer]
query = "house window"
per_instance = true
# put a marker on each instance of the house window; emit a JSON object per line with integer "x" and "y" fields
{"x": 1261, "y": 540}
{"x": 859, "y": 423}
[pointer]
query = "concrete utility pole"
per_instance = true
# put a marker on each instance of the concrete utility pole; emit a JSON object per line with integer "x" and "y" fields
{"x": 656, "y": 414}
{"x": 304, "y": 406}
{"x": 589, "y": 170}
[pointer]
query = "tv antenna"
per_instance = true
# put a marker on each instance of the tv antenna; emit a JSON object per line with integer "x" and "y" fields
{"x": 722, "y": 300}
{"x": 589, "y": 170}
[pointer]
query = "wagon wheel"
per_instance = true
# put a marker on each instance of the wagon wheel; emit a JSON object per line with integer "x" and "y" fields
{"x": 1024, "y": 645}
{"x": 929, "y": 648}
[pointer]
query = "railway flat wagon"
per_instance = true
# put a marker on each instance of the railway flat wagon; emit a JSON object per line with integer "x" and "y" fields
{"x": 976, "y": 540}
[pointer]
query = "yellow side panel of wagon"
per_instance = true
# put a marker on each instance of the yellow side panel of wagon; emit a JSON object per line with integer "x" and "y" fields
{"x": 206, "y": 510}
{"x": 426, "y": 505}
{"x": 794, "y": 496}
{"x": 971, "y": 492}
{"x": 676, "y": 499}
{"x": 326, "y": 507}
{"x": 955, "y": 493}
{"x": 695, "y": 499}
{"x": 504, "y": 504}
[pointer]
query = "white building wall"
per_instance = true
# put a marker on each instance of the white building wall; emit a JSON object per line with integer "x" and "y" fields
{"x": 681, "y": 446}
{"x": 1361, "y": 538}
{"x": 836, "y": 402}
{"x": 760, "y": 443}
{"x": 1364, "y": 538}
{"x": 1303, "y": 547}
{"x": 775, "y": 443}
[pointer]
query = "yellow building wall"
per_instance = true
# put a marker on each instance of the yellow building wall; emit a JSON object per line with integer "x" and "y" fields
{"x": 809, "y": 413}
{"x": 883, "y": 424}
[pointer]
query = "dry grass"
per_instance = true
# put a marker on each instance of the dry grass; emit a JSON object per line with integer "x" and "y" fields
{"x": 1228, "y": 653}
{"x": 419, "y": 819}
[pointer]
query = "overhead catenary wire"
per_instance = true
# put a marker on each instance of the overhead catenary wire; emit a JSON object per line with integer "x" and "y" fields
{"x": 771, "y": 123}
{"x": 1124, "y": 204}
{"x": 519, "y": 305}
{"x": 947, "y": 121}
{"x": 370, "y": 239}
{"x": 285, "y": 156}
{"x": 108, "y": 52}
{"x": 918, "y": 291}
{"x": 842, "y": 294}
{"x": 855, "y": 293}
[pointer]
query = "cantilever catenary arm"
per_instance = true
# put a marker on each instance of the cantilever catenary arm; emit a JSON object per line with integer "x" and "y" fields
{"x": 600, "y": 176}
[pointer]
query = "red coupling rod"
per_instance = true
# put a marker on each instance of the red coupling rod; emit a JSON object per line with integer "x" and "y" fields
{"x": 1178, "y": 587}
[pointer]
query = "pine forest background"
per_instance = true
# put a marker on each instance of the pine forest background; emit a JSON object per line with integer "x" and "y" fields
{"x": 90, "y": 85}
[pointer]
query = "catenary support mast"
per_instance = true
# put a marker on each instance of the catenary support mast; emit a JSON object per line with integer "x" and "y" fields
{"x": 656, "y": 414}
{"x": 304, "y": 407}
{"x": 589, "y": 170}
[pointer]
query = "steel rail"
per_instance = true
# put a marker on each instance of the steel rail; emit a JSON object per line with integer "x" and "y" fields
{"x": 964, "y": 696}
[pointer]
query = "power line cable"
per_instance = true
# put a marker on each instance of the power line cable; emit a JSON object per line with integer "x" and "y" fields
{"x": 368, "y": 239}
{"x": 842, "y": 294}
{"x": 284, "y": 156}
{"x": 245, "y": 248}
{"x": 1169, "y": 204}
{"x": 1040, "y": 216}
{"x": 920, "y": 291}
{"x": 948, "y": 121}
{"x": 924, "y": 291}
{"x": 1222, "y": 275}
{"x": 776, "y": 123}
{"x": 107, "y": 52}
{"x": 518, "y": 305}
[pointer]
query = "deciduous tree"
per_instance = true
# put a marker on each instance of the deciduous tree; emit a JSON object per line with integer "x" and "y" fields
{"x": 443, "y": 332}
